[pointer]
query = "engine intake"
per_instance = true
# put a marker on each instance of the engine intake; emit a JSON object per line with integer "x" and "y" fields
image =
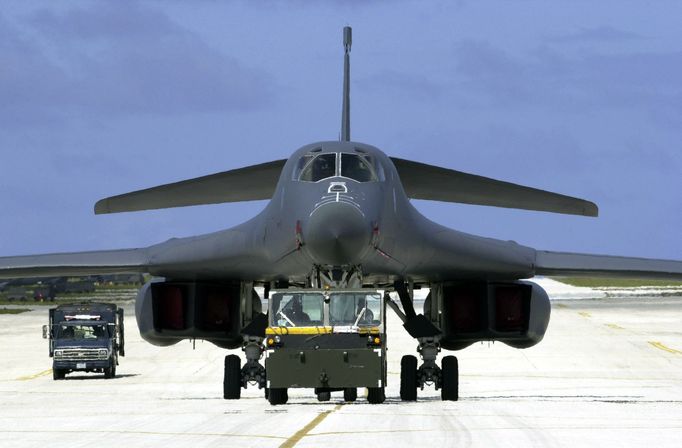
{"x": 516, "y": 314}
{"x": 170, "y": 311}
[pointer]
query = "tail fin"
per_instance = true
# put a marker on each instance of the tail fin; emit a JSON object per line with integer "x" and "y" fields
{"x": 345, "y": 113}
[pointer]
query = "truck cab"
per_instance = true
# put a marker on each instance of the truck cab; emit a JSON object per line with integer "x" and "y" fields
{"x": 86, "y": 337}
{"x": 327, "y": 340}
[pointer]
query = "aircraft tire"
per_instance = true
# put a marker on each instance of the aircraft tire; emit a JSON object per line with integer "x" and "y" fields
{"x": 376, "y": 395}
{"x": 278, "y": 395}
{"x": 450, "y": 379}
{"x": 408, "y": 378}
{"x": 350, "y": 394}
{"x": 232, "y": 382}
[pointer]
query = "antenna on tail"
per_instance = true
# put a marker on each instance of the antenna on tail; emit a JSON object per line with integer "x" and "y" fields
{"x": 345, "y": 113}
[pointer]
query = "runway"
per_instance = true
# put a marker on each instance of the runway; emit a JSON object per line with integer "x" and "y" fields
{"x": 608, "y": 373}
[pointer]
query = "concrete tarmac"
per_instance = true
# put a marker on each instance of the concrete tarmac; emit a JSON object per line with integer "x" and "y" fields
{"x": 608, "y": 374}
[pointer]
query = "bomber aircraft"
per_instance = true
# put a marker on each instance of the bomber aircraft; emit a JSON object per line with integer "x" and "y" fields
{"x": 339, "y": 218}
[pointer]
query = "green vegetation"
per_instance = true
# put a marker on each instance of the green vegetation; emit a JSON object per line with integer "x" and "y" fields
{"x": 598, "y": 282}
{"x": 13, "y": 310}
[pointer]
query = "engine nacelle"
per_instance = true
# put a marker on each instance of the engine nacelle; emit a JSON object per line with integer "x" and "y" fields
{"x": 170, "y": 311}
{"x": 515, "y": 313}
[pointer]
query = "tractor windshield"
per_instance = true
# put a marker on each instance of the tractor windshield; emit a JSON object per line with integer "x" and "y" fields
{"x": 355, "y": 309}
{"x": 297, "y": 309}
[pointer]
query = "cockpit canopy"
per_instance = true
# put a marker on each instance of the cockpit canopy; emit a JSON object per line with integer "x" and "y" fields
{"x": 314, "y": 167}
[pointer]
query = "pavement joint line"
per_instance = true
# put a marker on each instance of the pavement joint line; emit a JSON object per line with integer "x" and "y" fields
{"x": 37, "y": 375}
{"x": 301, "y": 433}
{"x": 661, "y": 346}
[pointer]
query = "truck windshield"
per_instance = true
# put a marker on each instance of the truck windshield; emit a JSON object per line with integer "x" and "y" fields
{"x": 297, "y": 309}
{"x": 355, "y": 308}
{"x": 83, "y": 332}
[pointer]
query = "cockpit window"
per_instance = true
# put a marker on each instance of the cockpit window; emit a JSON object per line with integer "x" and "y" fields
{"x": 357, "y": 167}
{"x": 319, "y": 168}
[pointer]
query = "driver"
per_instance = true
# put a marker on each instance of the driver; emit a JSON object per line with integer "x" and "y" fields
{"x": 297, "y": 314}
{"x": 368, "y": 316}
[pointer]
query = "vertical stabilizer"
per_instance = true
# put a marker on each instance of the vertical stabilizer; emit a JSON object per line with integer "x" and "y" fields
{"x": 345, "y": 114}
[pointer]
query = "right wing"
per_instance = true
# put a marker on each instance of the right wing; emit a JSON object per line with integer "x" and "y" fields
{"x": 422, "y": 181}
{"x": 250, "y": 183}
{"x": 75, "y": 263}
{"x": 589, "y": 265}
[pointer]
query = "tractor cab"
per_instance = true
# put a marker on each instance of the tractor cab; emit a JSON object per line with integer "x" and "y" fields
{"x": 328, "y": 340}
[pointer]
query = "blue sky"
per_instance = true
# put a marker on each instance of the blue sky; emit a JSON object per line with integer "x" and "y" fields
{"x": 581, "y": 98}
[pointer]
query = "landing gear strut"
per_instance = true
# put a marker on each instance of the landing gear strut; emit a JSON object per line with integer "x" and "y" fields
{"x": 428, "y": 373}
{"x": 253, "y": 372}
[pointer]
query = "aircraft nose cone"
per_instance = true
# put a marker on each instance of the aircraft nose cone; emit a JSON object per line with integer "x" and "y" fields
{"x": 337, "y": 234}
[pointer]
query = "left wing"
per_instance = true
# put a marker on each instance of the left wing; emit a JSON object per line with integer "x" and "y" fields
{"x": 573, "y": 264}
{"x": 75, "y": 263}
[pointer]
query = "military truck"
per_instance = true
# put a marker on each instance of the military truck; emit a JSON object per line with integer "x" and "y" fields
{"x": 86, "y": 337}
{"x": 326, "y": 340}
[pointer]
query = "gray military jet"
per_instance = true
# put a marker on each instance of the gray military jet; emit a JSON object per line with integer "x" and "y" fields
{"x": 339, "y": 216}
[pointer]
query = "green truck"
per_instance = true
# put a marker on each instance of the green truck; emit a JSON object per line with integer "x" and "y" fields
{"x": 326, "y": 340}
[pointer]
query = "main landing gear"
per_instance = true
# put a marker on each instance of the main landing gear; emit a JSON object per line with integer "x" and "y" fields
{"x": 237, "y": 377}
{"x": 446, "y": 377}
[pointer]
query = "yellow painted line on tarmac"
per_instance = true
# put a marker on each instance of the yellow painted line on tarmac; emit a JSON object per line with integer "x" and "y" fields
{"x": 37, "y": 375}
{"x": 585, "y": 314}
{"x": 663, "y": 347}
{"x": 615, "y": 326}
{"x": 561, "y": 305}
{"x": 301, "y": 433}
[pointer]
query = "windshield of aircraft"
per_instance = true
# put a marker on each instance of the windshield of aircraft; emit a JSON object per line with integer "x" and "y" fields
{"x": 357, "y": 167}
{"x": 315, "y": 168}
{"x": 355, "y": 308}
{"x": 98, "y": 331}
{"x": 297, "y": 309}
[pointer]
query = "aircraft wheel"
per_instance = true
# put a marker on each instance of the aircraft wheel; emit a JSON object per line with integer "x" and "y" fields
{"x": 278, "y": 395}
{"x": 450, "y": 379}
{"x": 324, "y": 396}
{"x": 232, "y": 382}
{"x": 408, "y": 378}
{"x": 376, "y": 395}
{"x": 350, "y": 394}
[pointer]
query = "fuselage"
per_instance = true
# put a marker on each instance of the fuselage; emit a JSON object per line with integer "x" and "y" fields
{"x": 342, "y": 205}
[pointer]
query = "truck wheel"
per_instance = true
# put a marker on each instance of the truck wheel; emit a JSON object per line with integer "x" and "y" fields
{"x": 278, "y": 395}
{"x": 408, "y": 378}
{"x": 350, "y": 394}
{"x": 450, "y": 379}
{"x": 376, "y": 395}
{"x": 58, "y": 374}
{"x": 232, "y": 383}
{"x": 110, "y": 372}
{"x": 267, "y": 392}
{"x": 324, "y": 396}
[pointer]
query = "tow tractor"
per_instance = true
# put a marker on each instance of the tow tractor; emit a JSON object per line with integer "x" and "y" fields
{"x": 326, "y": 340}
